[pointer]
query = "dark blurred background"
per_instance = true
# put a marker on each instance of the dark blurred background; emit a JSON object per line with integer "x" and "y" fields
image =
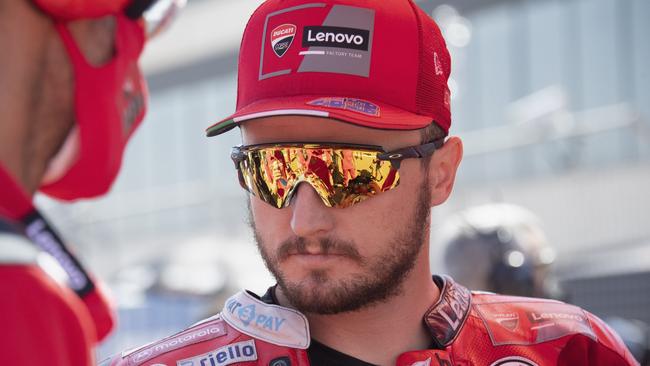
{"x": 552, "y": 100}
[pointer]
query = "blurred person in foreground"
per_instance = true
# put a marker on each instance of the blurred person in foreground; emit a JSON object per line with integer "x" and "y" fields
{"x": 347, "y": 239}
{"x": 71, "y": 95}
{"x": 499, "y": 248}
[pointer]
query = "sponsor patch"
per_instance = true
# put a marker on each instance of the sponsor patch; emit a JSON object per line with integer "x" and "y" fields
{"x": 514, "y": 361}
{"x": 336, "y": 37}
{"x": 508, "y": 320}
{"x": 226, "y": 355}
{"x": 195, "y": 335}
{"x": 349, "y": 104}
{"x": 271, "y": 323}
{"x": 532, "y": 322}
{"x": 282, "y": 38}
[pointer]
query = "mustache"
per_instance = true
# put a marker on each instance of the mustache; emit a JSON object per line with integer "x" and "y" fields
{"x": 298, "y": 245}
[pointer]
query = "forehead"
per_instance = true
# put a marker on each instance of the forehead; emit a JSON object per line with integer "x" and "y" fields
{"x": 316, "y": 129}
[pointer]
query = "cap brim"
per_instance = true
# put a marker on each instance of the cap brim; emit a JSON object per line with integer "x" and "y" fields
{"x": 360, "y": 112}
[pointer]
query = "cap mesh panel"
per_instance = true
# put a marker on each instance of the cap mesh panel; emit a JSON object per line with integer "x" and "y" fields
{"x": 432, "y": 88}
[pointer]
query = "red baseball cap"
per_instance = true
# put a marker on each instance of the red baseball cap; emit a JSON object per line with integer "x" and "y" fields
{"x": 380, "y": 64}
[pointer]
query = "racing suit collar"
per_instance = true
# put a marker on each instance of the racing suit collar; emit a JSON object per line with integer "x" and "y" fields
{"x": 271, "y": 323}
{"x": 446, "y": 317}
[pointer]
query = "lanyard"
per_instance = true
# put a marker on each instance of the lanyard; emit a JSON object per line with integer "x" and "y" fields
{"x": 15, "y": 203}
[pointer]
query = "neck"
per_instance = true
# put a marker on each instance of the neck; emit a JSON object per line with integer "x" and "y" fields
{"x": 28, "y": 40}
{"x": 394, "y": 326}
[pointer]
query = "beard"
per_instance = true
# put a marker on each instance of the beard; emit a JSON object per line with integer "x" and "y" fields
{"x": 382, "y": 277}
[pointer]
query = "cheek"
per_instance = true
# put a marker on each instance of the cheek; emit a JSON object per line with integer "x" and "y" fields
{"x": 378, "y": 219}
{"x": 271, "y": 224}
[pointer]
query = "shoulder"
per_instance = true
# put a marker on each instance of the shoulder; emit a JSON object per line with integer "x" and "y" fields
{"x": 213, "y": 331}
{"x": 512, "y": 320}
{"x": 21, "y": 273}
{"x": 22, "y": 270}
{"x": 25, "y": 286}
{"x": 28, "y": 286}
{"x": 247, "y": 331}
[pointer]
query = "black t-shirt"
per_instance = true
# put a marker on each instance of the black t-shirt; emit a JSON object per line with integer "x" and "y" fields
{"x": 319, "y": 354}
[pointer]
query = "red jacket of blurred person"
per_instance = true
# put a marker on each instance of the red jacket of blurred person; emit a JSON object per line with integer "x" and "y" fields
{"x": 71, "y": 95}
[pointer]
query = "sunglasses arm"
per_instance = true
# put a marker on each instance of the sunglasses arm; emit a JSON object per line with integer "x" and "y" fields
{"x": 411, "y": 152}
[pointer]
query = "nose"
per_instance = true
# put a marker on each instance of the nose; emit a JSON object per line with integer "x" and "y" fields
{"x": 310, "y": 216}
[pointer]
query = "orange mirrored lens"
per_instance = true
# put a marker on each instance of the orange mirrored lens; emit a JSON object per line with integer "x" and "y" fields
{"x": 342, "y": 177}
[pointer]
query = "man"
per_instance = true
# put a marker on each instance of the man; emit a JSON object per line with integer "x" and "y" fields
{"x": 71, "y": 94}
{"x": 351, "y": 257}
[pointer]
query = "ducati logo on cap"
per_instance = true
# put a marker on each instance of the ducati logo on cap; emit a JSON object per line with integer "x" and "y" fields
{"x": 282, "y": 38}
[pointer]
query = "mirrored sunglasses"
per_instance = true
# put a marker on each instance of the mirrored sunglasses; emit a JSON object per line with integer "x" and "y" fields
{"x": 341, "y": 174}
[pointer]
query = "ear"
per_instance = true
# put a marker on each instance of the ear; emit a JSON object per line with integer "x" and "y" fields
{"x": 442, "y": 170}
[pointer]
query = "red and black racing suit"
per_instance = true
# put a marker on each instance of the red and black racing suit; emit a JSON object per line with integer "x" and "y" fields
{"x": 466, "y": 329}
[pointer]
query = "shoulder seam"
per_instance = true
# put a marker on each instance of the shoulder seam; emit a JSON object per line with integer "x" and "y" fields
{"x": 616, "y": 351}
{"x": 514, "y": 300}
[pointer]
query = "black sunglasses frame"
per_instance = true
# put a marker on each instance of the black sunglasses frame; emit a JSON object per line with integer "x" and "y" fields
{"x": 238, "y": 153}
